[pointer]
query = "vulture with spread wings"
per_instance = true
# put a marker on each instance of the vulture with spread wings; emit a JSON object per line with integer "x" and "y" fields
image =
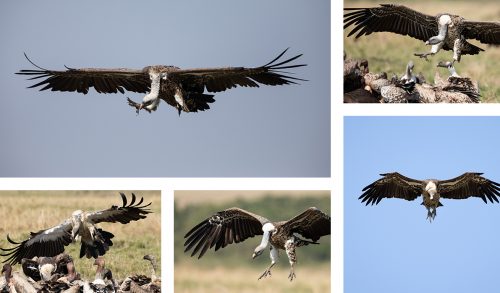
{"x": 183, "y": 89}
{"x": 443, "y": 31}
{"x": 235, "y": 225}
{"x": 94, "y": 241}
{"x": 395, "y": 185}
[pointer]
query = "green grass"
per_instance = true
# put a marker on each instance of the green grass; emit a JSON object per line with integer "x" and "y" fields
{"x": 31, "y": 211}
{"x": 390, "y": 52}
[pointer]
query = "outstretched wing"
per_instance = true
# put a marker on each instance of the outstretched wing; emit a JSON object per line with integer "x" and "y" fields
{"x": 124, "y": 214}
{"x": 221, "y": 79}
{"x": 312, "y": 224}
{"x": 391, "y": 18}
{"x": 223, "y": 228}
{"x": 80, "y": 80}
{"x": 470, "y": 184}
{"x": 49, "y": 242}
{"x": 391, "y": 185}
{"x": 485, "y": 32}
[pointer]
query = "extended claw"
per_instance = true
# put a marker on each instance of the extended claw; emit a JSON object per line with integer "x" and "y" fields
{"x": 137, "y": 106}
{"x": 423, "y": 55}
{"x": 291, "y": 276}
{"x": 266, "y": 273}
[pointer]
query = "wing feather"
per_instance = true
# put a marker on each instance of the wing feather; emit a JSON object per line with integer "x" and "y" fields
{"x": 485, "y": 32}
{"x": 48, "y": 242}
{"x": 224, "y": 78}
{"x": 391, "y": 185}
{"x": 470, "y": 185}
{"x": 312, "y": 224}
{"x": 127, "y": 212}
{"x": 232, "y": 225}
{"x": 390, "y": 18}
{"x": 80, "y": 80}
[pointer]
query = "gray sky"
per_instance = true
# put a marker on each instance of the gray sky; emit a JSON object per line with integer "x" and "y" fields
{"x": 270, "y": 131}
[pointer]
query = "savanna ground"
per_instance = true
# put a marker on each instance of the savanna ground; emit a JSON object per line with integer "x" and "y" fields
{"x": 390, "y": 52}
{"x": 232, "y": 269}
{"x": 30, "y": 211}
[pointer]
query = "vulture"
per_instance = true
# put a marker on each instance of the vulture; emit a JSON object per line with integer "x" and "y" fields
{"x": 183, "y": 89}
{"x": 432, "y": 190}
{"x": 94, "y": 241}
{"x": 235, "y": 225}
{"x": 443, "y": 31}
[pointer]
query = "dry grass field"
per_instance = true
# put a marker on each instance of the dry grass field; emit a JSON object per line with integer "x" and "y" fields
{"x": 232, "y": 269}
{"x": 391, "y": 52}
{"x": 29, "y": 211}
{"x": 192, "y": 279}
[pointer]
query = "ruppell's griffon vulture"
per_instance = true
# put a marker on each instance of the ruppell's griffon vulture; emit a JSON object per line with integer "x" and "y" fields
{"x": 395, "y": 185}
{"x": 234, "y": 225}
{"x": 443, "y": 31}
{"x": 94, "y": 241}
{"x": 183, "y": 89}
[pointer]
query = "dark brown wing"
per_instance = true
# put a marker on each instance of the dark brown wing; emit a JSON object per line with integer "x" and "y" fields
{"x": 124, "y": 214}
{"x": 470, "y": 184}
{"x": 223, "y": 228}
{"x": 391, "y": 185}
{"x": 80, "y": 80}
{"x": 312, "y": 224}
{"x": 221, "y": 79}
{"x": 49, "y": 242}
{"x": 485, "y": 32}
{"x": 391, "y": 18}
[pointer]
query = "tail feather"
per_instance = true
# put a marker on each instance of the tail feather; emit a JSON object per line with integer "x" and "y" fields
{"x": 199, "y": 102}
{"x": 99, "y": 245}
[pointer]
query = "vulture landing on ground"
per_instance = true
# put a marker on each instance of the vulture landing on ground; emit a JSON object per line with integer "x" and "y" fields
{"x": 432, "y": 190}
{"x": 94, "y": 241}
{"x": 182, "y": 89}
{"x": 236, "y": 225}
{"x": 444, "y": 31}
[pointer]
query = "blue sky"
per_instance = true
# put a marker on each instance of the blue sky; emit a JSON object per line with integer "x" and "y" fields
{"x": 270, "y": 131}
{"x": 391, "y": 247}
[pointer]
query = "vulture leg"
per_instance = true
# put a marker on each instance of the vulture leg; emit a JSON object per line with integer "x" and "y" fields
{"x": 274, "y": 258}
{"x": 424, "y": 55}
{"x": 429, "y": 214}
{"x": 138, "y": 106}
{"x": 292, "y": 256}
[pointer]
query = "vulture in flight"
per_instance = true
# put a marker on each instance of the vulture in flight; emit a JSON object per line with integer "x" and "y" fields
{"x": 94, "y": 241}
{"x": 432, "y": 190}
{"x": 443, "y": 31}
{"x": 234, "y": 225}
{"x": 183, "y": 89}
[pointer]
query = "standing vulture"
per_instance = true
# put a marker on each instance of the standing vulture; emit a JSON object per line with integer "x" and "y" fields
{"x": 432, "y": 190}
{"x": 182, "y": 89}
{"x": 443, "y": 31}
{"x": 94, "y": 241}
{"x": 236, "y": 225}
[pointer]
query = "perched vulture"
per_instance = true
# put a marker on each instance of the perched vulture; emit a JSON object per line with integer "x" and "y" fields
{"x": 236, "y": 225}
{"x": 94, "y": 241}
{"x": 182, "y": 89}
{"x": 443, "y": 31}
{"x": 432, "y": 190}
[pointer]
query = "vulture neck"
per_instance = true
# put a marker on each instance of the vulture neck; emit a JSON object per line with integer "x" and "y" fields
{"x": 453, "y": 72}
{"x": 431, "y": 188}
{"x": 267, "y": 229}
{"x": 443, "y": 23}
{"x": 152, "y": 99}
{"x": 409, "y": 72}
